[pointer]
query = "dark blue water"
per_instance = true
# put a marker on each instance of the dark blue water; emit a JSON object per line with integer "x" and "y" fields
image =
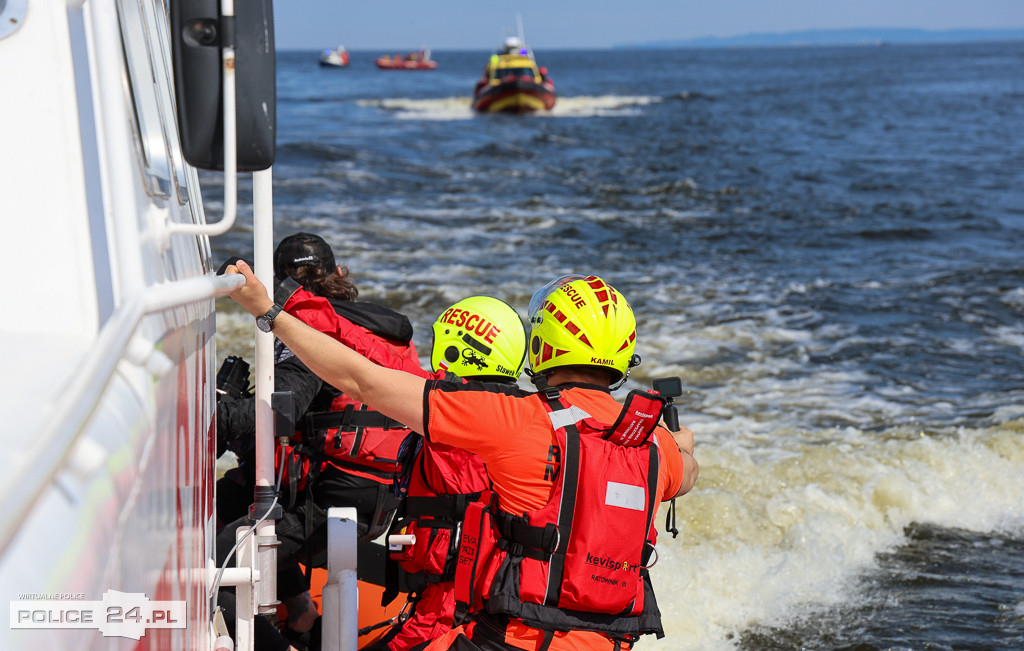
{"x": 824, "y": 243}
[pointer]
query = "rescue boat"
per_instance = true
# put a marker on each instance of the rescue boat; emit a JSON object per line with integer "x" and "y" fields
{"x": 334, "y": 57}
{"x": 412, "y": 61}
{"x": 513, "y": 82}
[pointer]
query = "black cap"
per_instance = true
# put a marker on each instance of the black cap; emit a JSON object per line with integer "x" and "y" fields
{"x": 302, "y": 250}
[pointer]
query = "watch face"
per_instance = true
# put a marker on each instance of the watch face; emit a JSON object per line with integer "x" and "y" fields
{"x": 265, "y": 322}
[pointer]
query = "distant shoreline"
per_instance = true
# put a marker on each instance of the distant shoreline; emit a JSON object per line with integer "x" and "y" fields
{"x": 818, "y": 37}
{"x": 859, "y": 37}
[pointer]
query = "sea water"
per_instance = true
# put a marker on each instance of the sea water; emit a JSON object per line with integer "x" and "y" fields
{"x": 825, "y": 244}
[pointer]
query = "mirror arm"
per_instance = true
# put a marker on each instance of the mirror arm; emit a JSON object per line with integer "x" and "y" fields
{"x": 230, "y": 137}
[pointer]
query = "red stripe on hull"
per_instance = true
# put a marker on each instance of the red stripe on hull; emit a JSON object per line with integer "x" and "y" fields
{"x": 514, "y": 97}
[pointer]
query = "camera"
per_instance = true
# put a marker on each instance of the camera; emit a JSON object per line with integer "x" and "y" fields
{"x": 670, "y": 387}
{"x": 233, "y": 378}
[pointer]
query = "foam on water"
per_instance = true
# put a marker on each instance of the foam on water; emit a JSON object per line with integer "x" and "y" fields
{"x": 459, "y": 108}
{"x": 768, "y": 537}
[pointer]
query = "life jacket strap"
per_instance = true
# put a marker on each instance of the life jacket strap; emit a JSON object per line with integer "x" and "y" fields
{"x": 451, "y": 507}
{"x": 348, "y": 419}
{"x": 520, "y": 538}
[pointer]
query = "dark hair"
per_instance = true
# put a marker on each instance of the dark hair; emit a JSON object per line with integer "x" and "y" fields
{"x": 588, "y": 372}
{"x": 329, "y": 285}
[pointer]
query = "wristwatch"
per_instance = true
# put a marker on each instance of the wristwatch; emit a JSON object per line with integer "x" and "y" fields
{"x": 265, "y": 322}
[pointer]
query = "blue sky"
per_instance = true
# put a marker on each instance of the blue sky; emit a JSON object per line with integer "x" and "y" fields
{"x": 394, "y": 25}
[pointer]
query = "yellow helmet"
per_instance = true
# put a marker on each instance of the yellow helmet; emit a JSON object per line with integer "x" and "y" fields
{"x": 581, "y": 321}
{"x": 479, "y": 337}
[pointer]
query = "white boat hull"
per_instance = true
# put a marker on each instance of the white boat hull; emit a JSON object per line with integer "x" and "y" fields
{"x": 109, "y": 338}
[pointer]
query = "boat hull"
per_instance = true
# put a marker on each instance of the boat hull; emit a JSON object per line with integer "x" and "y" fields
{"x": 110, "y": 385}
{"x": 516, "y": 96}
{"x": 390, "y": 64}
{"x": 334, "y": 59}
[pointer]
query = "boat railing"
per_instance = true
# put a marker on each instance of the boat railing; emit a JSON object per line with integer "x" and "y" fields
{"x": 53, "y": 445}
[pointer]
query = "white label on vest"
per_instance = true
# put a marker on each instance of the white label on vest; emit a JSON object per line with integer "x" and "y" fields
{"x": 625, "y": 496}
{"x": 569, "y": 416}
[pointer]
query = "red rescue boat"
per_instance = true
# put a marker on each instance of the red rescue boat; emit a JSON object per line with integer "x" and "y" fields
{"x": 412, "y": 61}
{"x": 513, "y": 83}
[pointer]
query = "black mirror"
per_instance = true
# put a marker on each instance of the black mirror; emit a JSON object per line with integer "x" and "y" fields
{"x": 198, "y": 32}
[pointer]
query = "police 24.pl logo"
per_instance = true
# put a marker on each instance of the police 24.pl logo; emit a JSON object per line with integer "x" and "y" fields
{"x": 120, "y": 614}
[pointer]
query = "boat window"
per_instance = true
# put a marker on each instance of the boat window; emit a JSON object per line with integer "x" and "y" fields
{"x": 144, "y": 84}
{"x": 164, "y": 85}
{"x": 518, "y": 72}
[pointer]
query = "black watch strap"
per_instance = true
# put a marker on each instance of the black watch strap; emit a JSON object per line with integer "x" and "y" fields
{"x": 265, "y": 322}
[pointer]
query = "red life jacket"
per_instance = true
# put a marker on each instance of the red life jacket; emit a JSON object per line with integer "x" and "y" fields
{"x": 355, "y": 439}
{"x": 445, "y": 482}
{"x": 359, "y": 441}
{"x": 579, "y": 562}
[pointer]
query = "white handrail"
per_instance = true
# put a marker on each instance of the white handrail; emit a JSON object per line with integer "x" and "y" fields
{"x": 56, "y": 438}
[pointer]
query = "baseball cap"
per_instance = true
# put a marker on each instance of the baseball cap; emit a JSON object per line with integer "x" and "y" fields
{"x": 303, "y": 250}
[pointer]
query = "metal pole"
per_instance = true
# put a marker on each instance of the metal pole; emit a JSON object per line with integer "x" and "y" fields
{"x": 263, "y": 247}
{"x": 340, "y": 595}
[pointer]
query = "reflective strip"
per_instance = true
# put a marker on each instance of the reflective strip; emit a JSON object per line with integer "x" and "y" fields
{"x": 563, "y": 417}
{"x": 625, "y": 496}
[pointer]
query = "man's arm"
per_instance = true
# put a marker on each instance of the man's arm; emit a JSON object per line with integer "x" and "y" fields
{"x": 396, "y": 394}
{"x": 684, "y": 439}
{"x": 676, "y": 452}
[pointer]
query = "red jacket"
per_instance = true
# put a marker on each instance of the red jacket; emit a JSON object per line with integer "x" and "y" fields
{"x": 367, "y": 444}
{"x": 440, "y": 473}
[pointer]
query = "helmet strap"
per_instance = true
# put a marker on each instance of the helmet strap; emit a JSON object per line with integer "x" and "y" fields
{"x": 615, "y": 385}
{"x": 633, "y": 361}
{"x": 539, "y": 380}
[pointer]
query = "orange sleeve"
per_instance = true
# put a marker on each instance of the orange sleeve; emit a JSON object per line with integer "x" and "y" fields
{"x": 670, "y": 464}
{"x": 465, "y": 416}
{"x": 505, "y": 428}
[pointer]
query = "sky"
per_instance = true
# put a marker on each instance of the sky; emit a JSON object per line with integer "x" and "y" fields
{"x": 403, "y": 25}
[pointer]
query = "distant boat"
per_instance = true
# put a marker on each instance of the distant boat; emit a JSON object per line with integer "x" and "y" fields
{"x": 412, "y": 61}
{"x": 337, "y": 58}
{"x": 513, "y": 83}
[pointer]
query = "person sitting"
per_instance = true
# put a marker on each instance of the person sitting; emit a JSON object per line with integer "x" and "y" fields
{"x": 342, "y": 454}
{"x": 478, "y": 338}
{"x": 535, "y": 588}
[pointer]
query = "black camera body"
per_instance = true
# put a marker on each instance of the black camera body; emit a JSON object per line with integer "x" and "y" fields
{"x": 233, "y": 378}
{"x": 668, "y": 388}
